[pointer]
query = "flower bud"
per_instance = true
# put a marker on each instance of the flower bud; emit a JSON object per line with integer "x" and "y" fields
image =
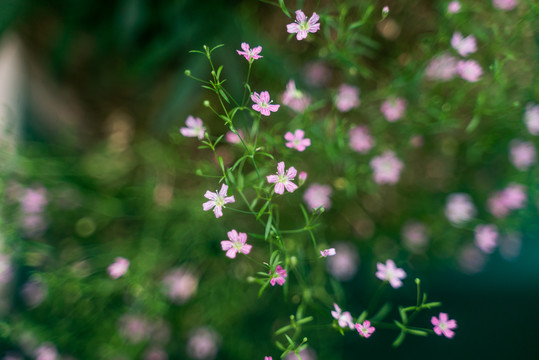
{"x": 206, "y": 103}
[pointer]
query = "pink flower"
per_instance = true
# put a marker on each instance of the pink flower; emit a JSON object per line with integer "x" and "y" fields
{"x": 459, "y": 208}
{"x": 385, "y": 11}
{"x": 155, "y": 354}
{"x": 282, "y": 180}
{"x": 469, "y": 70}
{"x": 414, "y": 236}
{"x": 34, "y": 200}
{"x": 344, "y": 319}
{"x": 470, "y": 259}
{"x": 505, "y": 4}
{"x": 297, "y": 140}
{"x": 318, "y": 195}
{"x": 34, "y": 292}
{"x": 486, "y": 237}
{"x": 218, "y": 200}
{"x": 442, "y": 325}
{"x": 279, "y": 276}
{"x": 203, "y": 344}
{"x": 343, "y": 266}
{"x": 522, "y": 154}
{"x": 46, "y": 351}
{"x": 305, "y": 354}
{"x": 302, "y": 27}
{"x": 236, "y": 244}
{"x": 317, "y": 74}
{"x": 268, "y": 358}
{"x": 118, "y": 267}
{"x": 391, "y": 273}
{"x": 514, "y": 196}
{"x": 262, "y": 103}
{"x": 360, "y": 139}
{"x": 134, "y": 328}
{"x": 387, "y": 168}
{"x": 417, "y": 141}
{"x": 453, "y": 7}
{"x": 194, "y": 128}
{"x": 393, "y": 108}
{"x": 531, "y": 118}
{"x": 347, "y": 98}
{"x": 233, "y": 138}
{"x": 295, "y": 99}
{"x": 302, "y": 177}
{"x": 365, "y": 329}
{"x": 496, "y": 205}
{"x": 180, "y": 285}
{"x": 328, "y": 252}
{"x": 248, "y": 53}
{"x": 442, "y": 67}
{"x": 6, "y": 270}
{"x": 464, "y": 46}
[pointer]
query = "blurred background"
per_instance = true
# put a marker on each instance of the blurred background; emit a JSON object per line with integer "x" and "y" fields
{"x": 93, "y": 168}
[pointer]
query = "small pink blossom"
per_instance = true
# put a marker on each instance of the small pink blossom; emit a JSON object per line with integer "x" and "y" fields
{"x": 194, "y": 128}
{"x": 279, "y": 276}
{"x": 134, "y": 328}
{"x": 442, "y": 67}
{"x": 469, "y": 70}
{"x": 118, "y": 268}
{"x": 514, "y": 196}
{"x": 459, "y": 208}
{"x": 262, "y": 103}
{"x": 365, "y": 329}
{"x": 531, "y": 118}
{"x": 295, "y": 99}
{"x": 218, "y": 200}
{"x": 317, "y": 74}
{"x": 34, "y": 200}
{"x": 305, "y": 354}
{"x": 282, "y": 180}
{"x": 442, "y": 325}
{"x": 233, "y": 138}
{"x": 302, "y": 177}
{"x": 343, "y": 318}
{"x": 470, "y": 259}
{"x": 302, "y": 27}
{"x": 297, "y": 140}
{"x": 464, "y": 45}
{"x": 522, "y": 154}
{"x": 414, "y": 236}
{"x": 486, "y": 237}
{"x": 453, "y": 7}
{"x": 496, "y": 205}
{"x": 268, "y": 358}
{"x": 360, "y": 139}
{"x": 417, "y": 141}
{"x": 387, "y": 168}
{"x": 318, "y": 195}
{"x": 6, "y": 269}
{"x": 34, "y": 292}
{"x": 343, "y": 266}
{"x": 505, "y": 4}
{"x": 385, "y": 11}
{"x": 180, "y": 285}
{"x": 391, "y": 273}
{"x": 347, "y": 98}
{"x": 248, "y": 53}
{"x": 393, "y": 108}
{"x": 328, "y": 252}
{"x": 203, "y": 344}
{"x": 236, "y": 244}
{"x": 46, "y": 351}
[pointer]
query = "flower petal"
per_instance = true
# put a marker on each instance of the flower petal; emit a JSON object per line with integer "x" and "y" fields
{"x": 208, "y": 205}
{"x": 300, "y": 16}
{"x": 226, "y": 245}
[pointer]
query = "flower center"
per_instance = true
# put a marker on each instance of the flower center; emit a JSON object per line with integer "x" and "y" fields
{"x": 220, "y": 201}
{"x": 304, "y": 26}
{"x": 237, "y": 245}
{"x": 283, "y": 178}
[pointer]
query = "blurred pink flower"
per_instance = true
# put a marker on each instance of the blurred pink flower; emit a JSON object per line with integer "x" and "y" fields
{"x": 194, "y": 128}
{"x": 510, "y": 246}
{"x": 6, "y": 269}
{"x": 416, "y": 141}
{"x": 453, "y": 7}
{"x": 302, "y": 27}
{"x": 393, "y": 108}
{"x": 442, "y": 325}
{"x": 134, "y": 328}
{"x": 235, "y": 244}
{"x": 442, "y": 67}
{"x": 459, "y": 208}
{"x": 464, "y": 45}
{"x": 297, "y": 140}
{"x": 279, "y": 276}
{"x": 46, "y": 351}
{"x": 295, "y": 99}
{"x": 203, "y": 344}
{"x": 282, "y": 180}
{"x": 327, "y": 252}
{"x": 318, "y": 195}
{"x": 343, "y": 318}
{"x": 218, "y": 200}
{"x": 343, "y": 266}
{"x": 34, "y": 200}
{"x": 414, "y": 236}
{"x": 391, "y": 273}
{"x": 305, "y": 354}
{"x": 34, "y": 224}
{"x": 365, "y": 329}
{"x": 347, "y": 98}
{"x": 522, "y": 154}
{"x": 262, "y": 103}
{"x": 360, "y": 139}
{"x": 514, "y": 196}
{"x": 486, "y": 237}
{"x": 317, "y": 74}
{"x": 233, "y": 138}
{"x": 118, "y": 267}
{"x": 386, "y": 167}
{"x": 496, "y": 205}
{"x": 268, "y": 358}
{"x": 470, "y": 259}
{"x": 33, "y": 293}
{"x": 180, "y": 285}
{"x": 531, "y": 118}
{"x": 505, "y": 4}
{"x": 469, "y": 70}
{"x": 155, "y": 354}
{"x": 248, "y": 53}
{"x": 385, "y": 11}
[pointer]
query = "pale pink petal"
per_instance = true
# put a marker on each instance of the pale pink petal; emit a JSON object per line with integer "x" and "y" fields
{"x": 208, "y": 205}
{"x": 265, "y": 97}
{"x": 257, "y": 107}
{"x": 245, "y": 46}
{"x": 272, "y": 178}
{"x": 299, "y": 133}
{"x": 279, "y": 188}
{"x": 223, "y": 190}
{"x": 291, "y": 173}
{"x": 188, "y": 132}
{"x": 191, "y": 122}
{"x": 226, "y": 245}
{"x": 256, "y": 51}
{"x": 302, "y": 34}
{"x": 233, "y": 235}
{"x": 290, "y": 186}
{"x": 300, "y": 16}
{"x": 438, "y": 331}
{"x": 273, "y": 107}
{"x": 314, "y": 19}
{"x": 292, "y": 28}
{"x": 218, "y": 211}
{"x": 451, "y": 324}
{"x": 242, "y": 237}
{"x": 443, "y": 317}
{"x": 448, "y": 333}
{"x": 229, "y": 199}
{"x": 280, "y": 281}
{"x": 232, "y": 253}
{"x": 255, "y": 97}
{"x": 434, "y": 320}
{"x": 289, "y": 145}
{"x": 280, "y": 168}
{"x": 265, "y": 111}
{"x": 246, "y": 249}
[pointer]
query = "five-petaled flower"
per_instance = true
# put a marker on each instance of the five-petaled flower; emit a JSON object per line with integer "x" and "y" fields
{"x": 235, "y": 244}
{"x": 328, "y": 252}
{"x": 365, "y": 329}
{"x": 194, "y": 128}
{"x": 442, "y": 325}
{"x": 248, "y": 53}
{"x": 279, "y": 276}
{"x": 217, "y": 201}
{"x": 302, "y": 27}
{"x": 297, "y": 140}
{"x": 391, "y": 273}
{"x": 118, "y": 268}
{"x": 343, "y": 318}
{"x": 262, "y": 103}
{"x": 282, "y": 180}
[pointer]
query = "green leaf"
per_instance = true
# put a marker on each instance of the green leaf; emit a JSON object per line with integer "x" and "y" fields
{"x": 219, "y": 71}
{"x": 264, "y": 287}
{"x": 398, "y": 341}
{"x": 289, "y": 339}
{"x": 224, "y": 95}
{"x": 216, "y": 47}
{"x": 268, "y": 226}
{"x": 283, "y": 7}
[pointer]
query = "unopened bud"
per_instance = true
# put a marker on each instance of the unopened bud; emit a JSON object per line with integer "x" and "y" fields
{"x": 188, "y": 72}
{"x": 293, "y": 261}
{"x": 302, "y": 177}
{"x": 385, "y": 12}
{"x": 206, "y": 103}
